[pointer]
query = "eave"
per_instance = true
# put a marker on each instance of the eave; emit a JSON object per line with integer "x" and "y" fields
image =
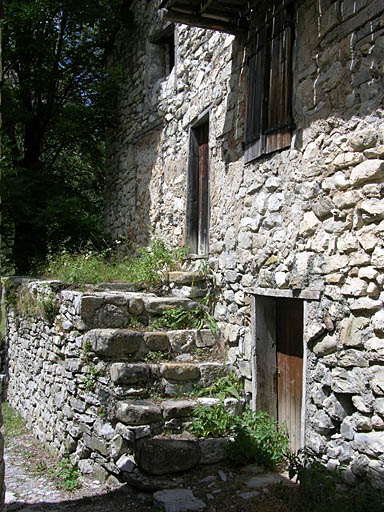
{"x": 230, "y": 16}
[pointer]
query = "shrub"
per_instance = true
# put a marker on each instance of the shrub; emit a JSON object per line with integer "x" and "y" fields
{"x": 321, "y": 491}
{"x": 257, "y": 438}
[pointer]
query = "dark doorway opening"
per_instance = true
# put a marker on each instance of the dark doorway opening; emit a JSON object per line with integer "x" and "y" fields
{"x": 198, "y": 189}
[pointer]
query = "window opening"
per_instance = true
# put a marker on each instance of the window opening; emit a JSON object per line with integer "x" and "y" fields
{"x": 165, "y": 42}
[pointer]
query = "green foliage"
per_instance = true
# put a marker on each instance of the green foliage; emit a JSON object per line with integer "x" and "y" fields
{"x": 90, "y": 379}
{"x": 153, "y": 356}
{"x": 68, "y": 474}
{"x": 180, "y": 318}
{"x": 315, "y": 479}
{"x": 230, "y": 385}
{"x": 212, "y": 421}
{"x": 13, "y": 425}
{"x": 89, "y": 266}
{"x": 3, "y": 329}
{"x": 86, "y": 349}
{"x": 257, "y": 438}
{"x": 58, "y": 101}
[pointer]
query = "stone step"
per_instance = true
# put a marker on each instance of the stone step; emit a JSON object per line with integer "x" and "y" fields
{"x": 121, "y": 309}
{"x": 187, "y": 344}
{"x": 186, "y": 278}
{"x": 146, "y": 418}
{"x": 187, "y": 284}
{"x": 164, "y": 379}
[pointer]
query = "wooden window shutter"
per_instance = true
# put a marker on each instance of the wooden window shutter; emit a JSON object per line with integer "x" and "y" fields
{"x": 269, "y": 109}
{"x": 255, "y": 106}
{"x": 279, "y": 101}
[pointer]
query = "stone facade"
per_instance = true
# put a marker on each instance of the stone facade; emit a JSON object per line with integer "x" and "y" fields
{"x": 308, "y": 218}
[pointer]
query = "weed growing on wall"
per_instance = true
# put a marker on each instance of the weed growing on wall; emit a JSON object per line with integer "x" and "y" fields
{"x": 90, "y": 379}
{"x": 42, "y": 304}
{"x": 67, "y": 474}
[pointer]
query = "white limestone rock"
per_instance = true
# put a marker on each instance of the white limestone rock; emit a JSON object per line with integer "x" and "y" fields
{"x": 326, "y": 346}
{"x": 370, "y": 170}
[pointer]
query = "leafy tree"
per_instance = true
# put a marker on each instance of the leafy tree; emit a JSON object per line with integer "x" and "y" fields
{"x": 57, "y": 101}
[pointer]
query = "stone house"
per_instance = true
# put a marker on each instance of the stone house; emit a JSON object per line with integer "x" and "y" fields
{"x": 253, "y": 131}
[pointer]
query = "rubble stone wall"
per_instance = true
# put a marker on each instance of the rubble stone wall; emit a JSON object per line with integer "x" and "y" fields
{"x": 2, "y": 483}
{"x": 88, "y": 385}
{"x": 308, "y": 217}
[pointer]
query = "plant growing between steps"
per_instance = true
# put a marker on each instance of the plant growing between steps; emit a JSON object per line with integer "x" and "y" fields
{"x": 257, "y": 437}
{"x": 180, "y": 318}
{"x": 228, "y": 386}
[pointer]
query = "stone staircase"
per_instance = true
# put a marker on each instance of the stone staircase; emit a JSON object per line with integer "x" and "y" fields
{"x": 145, "y": 381}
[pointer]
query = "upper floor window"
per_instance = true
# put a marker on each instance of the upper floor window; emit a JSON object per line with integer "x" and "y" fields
{"x": 165, "y": 44}
{"x": 269, "y": 110}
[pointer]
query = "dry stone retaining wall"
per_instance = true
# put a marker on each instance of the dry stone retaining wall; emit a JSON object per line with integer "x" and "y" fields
{"x": 310, "y": 217}
{"x": 79, "y": 376}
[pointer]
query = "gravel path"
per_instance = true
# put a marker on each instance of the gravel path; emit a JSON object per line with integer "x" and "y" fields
{"x": 33, "y": 487}
{"x": 29, "y": 488}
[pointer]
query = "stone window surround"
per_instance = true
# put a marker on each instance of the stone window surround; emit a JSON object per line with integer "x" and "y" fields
{"x": 306, "y": 295}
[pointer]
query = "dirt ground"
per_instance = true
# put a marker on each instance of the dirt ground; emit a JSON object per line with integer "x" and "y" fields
{"x": 33, "y": 485}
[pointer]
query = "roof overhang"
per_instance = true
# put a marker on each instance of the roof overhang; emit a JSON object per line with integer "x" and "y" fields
{"x": 229, "y": 16}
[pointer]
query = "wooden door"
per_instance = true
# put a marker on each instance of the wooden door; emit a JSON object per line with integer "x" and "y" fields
{"x": 289, "y": 374}
{"x": 198, "y": 190}
{"x": 202, "y": 235}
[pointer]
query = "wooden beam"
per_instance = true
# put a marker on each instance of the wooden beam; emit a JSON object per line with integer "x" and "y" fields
{"x": 204, "y": 6}
{"x": 212, "y": 24}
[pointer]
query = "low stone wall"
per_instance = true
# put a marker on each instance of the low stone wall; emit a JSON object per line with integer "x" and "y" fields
{"x": 89, "y": 385}
{"x": 2, "y": 485}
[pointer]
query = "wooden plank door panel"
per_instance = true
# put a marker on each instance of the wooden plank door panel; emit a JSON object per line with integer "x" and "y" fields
{"x": 289, "y": 330}
{"x": 265, "y": 332}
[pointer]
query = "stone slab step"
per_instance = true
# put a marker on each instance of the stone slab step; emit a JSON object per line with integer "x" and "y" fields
{"x": 118, "y": 309}
{"x": 166, "y": 379}
{"x": 146, "y": 412}
{"x": 186, "y": 278}
{"x": 161, "y": 455}
{"x": 127, "y": 343}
